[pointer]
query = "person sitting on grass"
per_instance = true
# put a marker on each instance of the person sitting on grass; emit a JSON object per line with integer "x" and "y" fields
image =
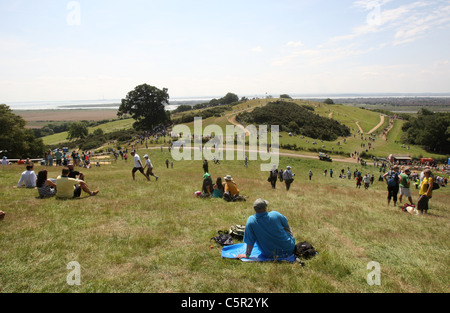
{"x": 218, "y": 188}
{"x": 46, "y": 187}
{"x": 207, "y": 186}
{"x": 74, "y": 174}
{"x": 270, "y": 230}
{"x": 28, "y": 178}
{"x": 231, "y": 191}
{"x": 65, "y": 186}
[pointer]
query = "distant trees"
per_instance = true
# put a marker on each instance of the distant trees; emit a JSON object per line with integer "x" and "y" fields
{"x": 297, "y": 119}
{"x": 182, "y": 108}
{"x": 229, "y": 98}
{"x": 146, "y": 105}
{"x": 285, "y": 96}
{"x": 430, "y": 130}
{"x": 328, "y": 101}
{"x": 15, "y": 139}
{"x": 77, "y": 130}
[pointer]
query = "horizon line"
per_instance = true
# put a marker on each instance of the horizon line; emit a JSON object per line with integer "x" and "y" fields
{"x": 318, "y": 95}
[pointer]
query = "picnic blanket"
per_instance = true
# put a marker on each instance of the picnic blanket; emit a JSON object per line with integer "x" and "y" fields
{"x": 231, "y": 252}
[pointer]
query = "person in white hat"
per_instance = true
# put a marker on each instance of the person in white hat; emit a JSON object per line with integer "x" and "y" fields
{"x": 230, "y": 186}
{"x": 288, "y": 177}
{"x": 270, "y": 230}
{"x": 149, "y": 166}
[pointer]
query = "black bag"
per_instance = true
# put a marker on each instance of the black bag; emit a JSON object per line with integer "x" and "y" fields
{"x": 304, "y": 250}
{"x": 223, "y": 239}
{"x": 436, "y": 186}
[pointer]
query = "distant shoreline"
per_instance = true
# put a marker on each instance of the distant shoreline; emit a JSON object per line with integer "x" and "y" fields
{"x": 115, "y": 103}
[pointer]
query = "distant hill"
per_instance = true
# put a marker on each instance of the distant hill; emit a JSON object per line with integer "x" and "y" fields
{"x": 299, "y": 119}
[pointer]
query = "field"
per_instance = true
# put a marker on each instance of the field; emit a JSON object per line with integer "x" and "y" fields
{"x": 155, "y": 236}
{"x": 40, "y": 118}
{"x": 139, "y": 236}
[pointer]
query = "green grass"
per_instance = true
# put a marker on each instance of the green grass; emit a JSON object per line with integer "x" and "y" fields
{"x": 107, "y": 128}
{"x": 155, "y": 236}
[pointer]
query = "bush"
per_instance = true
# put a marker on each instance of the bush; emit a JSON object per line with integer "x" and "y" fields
{"x": 285, "y": 114}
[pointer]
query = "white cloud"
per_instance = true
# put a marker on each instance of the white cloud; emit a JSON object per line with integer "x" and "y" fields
{"x": 294, "y": 44}
{"x": 257, "y": 49}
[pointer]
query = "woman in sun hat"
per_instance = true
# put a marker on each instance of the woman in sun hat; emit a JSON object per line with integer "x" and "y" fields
{"x": 230, "y": 186}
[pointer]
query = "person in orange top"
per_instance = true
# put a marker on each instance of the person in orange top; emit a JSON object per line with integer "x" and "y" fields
{"x": 230, "y": 186}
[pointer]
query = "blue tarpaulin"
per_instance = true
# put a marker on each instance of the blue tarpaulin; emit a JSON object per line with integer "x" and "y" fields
{"x": 231, "y": 252}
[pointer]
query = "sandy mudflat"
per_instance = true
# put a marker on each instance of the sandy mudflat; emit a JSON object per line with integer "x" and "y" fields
{"x": 67, "y": 115}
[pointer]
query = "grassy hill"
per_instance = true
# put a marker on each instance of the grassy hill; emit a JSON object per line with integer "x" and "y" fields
{"x": 107, "y": 128}
{"x": 155, "y": 236}
{"x": 347, "y": 115}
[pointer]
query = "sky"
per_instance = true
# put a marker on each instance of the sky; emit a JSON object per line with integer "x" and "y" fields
{"x": 54, "y": 50}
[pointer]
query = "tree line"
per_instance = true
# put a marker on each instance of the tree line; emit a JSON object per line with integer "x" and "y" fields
{"x": 429, "y": 130}
{"x": 298, "y": 119}
{"x": 15, "y": 140}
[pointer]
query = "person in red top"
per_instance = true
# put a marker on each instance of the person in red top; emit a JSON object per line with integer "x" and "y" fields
{"x": 358, "y": 181}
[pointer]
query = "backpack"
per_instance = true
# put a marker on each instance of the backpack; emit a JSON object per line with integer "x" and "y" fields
{"x": 236, "y": 198}
{"x": 304, "y": 250}
{"x": 223, "y": 239}
{"x": 237, "y": 231}
{"x": 393, "y": 179}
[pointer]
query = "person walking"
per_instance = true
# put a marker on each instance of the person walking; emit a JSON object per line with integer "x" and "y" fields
{"x": 149, "y": 166}
{"x": 288, "y": 177}
{"x": 137, "y": 166}
{"x": 366, "y": 180}
{"x": 273, "y": 177}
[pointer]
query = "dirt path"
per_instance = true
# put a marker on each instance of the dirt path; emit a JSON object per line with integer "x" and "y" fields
{"x": 360, "y": 129}
{"x": 292, "y": 155}
{"x": 232, "y": 119}
{"x": 378, "y": 126}
{"x": 385, "y": 134}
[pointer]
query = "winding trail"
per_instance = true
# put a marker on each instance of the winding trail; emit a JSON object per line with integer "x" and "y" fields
{"x": 292, "y": 155}
{"x": 360, "y": 129}
{"x": 232, "y": 119}
{"x": 373, "y": 129}
{"x": 378, "y": 126}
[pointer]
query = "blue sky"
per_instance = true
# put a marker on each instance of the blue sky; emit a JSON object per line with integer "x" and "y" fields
{"x": 81, "y": 50}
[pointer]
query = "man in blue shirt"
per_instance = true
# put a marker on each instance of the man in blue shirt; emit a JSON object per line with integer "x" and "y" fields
{"x": 270, "y": 230}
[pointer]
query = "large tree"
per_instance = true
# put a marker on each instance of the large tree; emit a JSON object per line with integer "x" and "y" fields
{"x": 146, "y": 104}
{"x": 17, "y": 141}
{"x": 229, "y": 98}
{"x": 77, "y": 130}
